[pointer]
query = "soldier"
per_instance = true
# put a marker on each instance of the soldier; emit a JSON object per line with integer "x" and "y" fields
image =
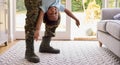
{"x": 51, "y": 17}
{"x": 33, "y": 9}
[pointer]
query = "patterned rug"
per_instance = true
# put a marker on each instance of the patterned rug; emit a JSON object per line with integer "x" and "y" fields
{"x": 72, "y": 53}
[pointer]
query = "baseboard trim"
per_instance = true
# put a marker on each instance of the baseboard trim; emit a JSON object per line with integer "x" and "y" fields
{"x": 86, "y": 38}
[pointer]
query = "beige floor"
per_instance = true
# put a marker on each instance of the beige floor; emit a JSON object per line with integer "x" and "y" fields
{"x": 4, "y": 48}
{"x": 72, "y": 53}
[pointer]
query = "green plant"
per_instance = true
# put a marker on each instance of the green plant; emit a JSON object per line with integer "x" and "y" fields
{"x": 20, "y": 7}
{"x": 92, "y": 11}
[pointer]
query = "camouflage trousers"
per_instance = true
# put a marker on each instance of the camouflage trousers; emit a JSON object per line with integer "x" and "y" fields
{"x": 32, "y": 7}
{"x": 50, "y": 29}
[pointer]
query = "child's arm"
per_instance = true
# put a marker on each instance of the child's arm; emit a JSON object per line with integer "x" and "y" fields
{"x": 38, "y": 25}
{"x": 72, "y": 16}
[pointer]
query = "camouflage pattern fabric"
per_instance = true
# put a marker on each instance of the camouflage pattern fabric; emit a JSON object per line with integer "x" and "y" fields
{"x": 32, "y": 14}
{"x": 50, "y": 30}
{"x": 50, "y": 27}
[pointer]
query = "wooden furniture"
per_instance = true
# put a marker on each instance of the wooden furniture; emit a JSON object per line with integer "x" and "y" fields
{"x": 3, "y": 22}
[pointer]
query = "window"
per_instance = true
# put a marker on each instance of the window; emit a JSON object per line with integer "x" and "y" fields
{"x": 88, "y": 12}
{"x": 119, "y": 3}
{"x": 111, "y": 3}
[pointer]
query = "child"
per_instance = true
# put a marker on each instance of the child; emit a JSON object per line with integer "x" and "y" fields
{"x": 51, "y": 17}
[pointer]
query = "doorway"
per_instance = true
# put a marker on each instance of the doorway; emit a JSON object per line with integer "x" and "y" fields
{"x": 62, "y": 32}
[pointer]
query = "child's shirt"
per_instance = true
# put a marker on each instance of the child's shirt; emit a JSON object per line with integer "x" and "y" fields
{"x": 47, "y": 3}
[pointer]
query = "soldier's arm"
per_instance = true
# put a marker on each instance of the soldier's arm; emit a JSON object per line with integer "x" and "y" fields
{"x": 38, "y": 25}
{"x": 69, "y": 13}
{"x": 40, "y": 19}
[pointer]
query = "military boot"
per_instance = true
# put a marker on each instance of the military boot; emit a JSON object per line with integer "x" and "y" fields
{"x": 29, "y": 53}
{"x": 45, "y": 46}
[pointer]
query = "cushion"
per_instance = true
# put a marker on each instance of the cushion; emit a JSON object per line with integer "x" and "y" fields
{"x": 113, "y": 28}
{"x": 117, "y": 16}
{"x": 101, "y": 26}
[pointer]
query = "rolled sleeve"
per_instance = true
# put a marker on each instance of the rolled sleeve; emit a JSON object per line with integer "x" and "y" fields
{"x": 43, "y": 9}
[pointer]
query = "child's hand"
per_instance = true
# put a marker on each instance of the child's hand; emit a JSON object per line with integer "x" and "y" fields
{"x": 36, "y": 35}
{"x": 78, "y": 23}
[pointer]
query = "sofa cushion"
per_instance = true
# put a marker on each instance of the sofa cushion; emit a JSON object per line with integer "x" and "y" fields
{"x": 117, "y": 16}
{"x": 101, "y": 26}
{"x": 113, "y": 28}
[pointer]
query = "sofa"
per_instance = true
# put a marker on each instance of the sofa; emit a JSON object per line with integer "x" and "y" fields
{"x": 108, "y": 29}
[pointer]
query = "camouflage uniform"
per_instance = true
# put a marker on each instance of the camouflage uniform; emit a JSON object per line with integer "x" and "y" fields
{"x": 33, "y": 9}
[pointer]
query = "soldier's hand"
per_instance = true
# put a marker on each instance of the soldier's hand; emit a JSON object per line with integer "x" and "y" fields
{"x": 36, "y": 35}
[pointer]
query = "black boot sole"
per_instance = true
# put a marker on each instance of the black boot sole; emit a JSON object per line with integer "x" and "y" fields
{"x": 52, "y": 52}
{"x": 34, "y": 60}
